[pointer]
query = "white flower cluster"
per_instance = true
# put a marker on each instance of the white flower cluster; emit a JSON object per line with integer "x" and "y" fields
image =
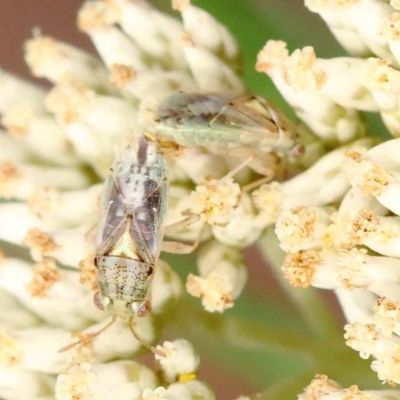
{"x": 57, "y": 148}
{"x": 323, "y": 388}
{"x": 337, "y": 215}
{"x": 338, "y": 221}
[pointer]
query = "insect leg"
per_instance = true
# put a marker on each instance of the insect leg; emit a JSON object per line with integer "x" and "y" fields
{"x": 182, "y": 224}
{"x": 182, "y": 248}
{"x": 144, "y": 343}
{"x": 90, "y": 235}
{"x": 88, "y": 337}
{"x": 257, "y": 183}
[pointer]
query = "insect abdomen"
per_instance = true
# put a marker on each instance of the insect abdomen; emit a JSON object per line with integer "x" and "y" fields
{"x": 122, "y": 278}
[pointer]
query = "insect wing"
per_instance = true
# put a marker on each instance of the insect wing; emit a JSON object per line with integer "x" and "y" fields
{"x": 148, "y": 222}
{"x": 113, "y": 220}
{"x": 135, "y": 197}
{"x": 237, "y": 115}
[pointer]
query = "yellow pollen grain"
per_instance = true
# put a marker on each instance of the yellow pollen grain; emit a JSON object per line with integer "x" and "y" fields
{"x": 39, "y": 242}
{"x": 298, "y": 225}
{"x": 45, "y": 274}
{"x": 214, "y": 202}
{"x": 17, "y": 121}
{"x": 88, "y": 273}
{"x": 10, "y": 351}
{"x": 187, "y": 377}
{"x": 299, "y": 268}
{"x": 364, "y": 223}
{"x": 121, "y": 74}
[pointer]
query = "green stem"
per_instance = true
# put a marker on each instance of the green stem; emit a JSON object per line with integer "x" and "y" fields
{"x": 313, "y": 309}
{"x": 288, "y": 388}
{"x": 239, "y": 332}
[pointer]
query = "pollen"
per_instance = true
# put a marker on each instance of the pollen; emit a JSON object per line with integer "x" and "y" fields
{"x": 215, "y": 292}
{"x": 268, "y": 199}
{"x": 353, "y": 268}
{"x": 272, "y": 55}
{"x": 299, "y": 268}
{"x": 214, "y": 201}
{"x": 390, "y": 28}
{"x": 10, "y": 351}
{"x": 17, "y": 120}
{"x": 300, "y": 71}
{"x": 319, "y": 386}
{"x": 296, "y": 226}
{"x": 379, "y": 74}
{"x": 74, "y": 382}
{"x": 362, "y": 338}
{"x": 369, "y": 177}
{"x": 387, "y": 316}
{"x": 387, "y": 367}
{"x": 45, "y": 274}
{"x": 40, "y": 243}
{"x": 43, "y": 202}
{"x": 121, "y": 74}
{"x": 364, "y": 224}
{"x": 69, "y": 102}
{"x": 9, "y": 176}
{"x": 88, "y": 273}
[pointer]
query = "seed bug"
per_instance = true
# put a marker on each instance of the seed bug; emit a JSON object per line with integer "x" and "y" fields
{"x": 131, "y": 232}
{"x": 222, "y": 124}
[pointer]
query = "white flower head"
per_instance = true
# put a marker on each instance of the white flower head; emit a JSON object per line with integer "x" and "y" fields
{"x": 223, "y": 276}
{"x": 181, "y": 360}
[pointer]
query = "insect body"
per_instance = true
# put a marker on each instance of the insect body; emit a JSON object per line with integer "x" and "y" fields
{"x": 132, "y": 229}
{"x": 130, "y": 234}
{"x": 218, "y": 123}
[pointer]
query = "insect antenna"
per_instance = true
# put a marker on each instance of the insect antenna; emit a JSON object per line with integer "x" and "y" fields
{"x": 144, "y": 343}
{"x": 88, "y": 338}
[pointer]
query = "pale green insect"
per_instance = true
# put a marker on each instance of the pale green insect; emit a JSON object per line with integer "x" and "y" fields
{"x": 220, "y": 123}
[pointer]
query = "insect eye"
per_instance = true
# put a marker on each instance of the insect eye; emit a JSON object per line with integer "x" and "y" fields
{"x": 128, "y": 305}
{"x": 150, "y": 271}
{"x": 144, "y": 309}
